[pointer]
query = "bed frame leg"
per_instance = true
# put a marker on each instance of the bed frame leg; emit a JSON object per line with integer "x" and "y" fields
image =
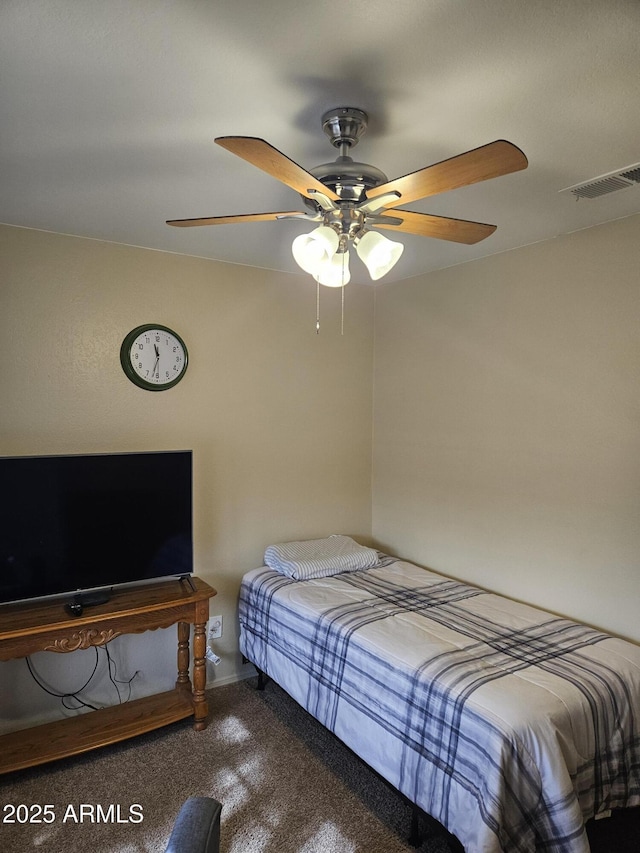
{"x": 415, "y": 839}
{"x": 263, "y": 678}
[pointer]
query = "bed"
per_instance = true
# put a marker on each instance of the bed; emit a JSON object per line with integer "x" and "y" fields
{"x": 509, "y": 725}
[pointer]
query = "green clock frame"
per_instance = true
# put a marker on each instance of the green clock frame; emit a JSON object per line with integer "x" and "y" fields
{"x": 135, "y": 336}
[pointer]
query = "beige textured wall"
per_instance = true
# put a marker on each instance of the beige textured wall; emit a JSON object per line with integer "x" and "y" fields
{"x": 507, "y": 423}
{"x": 506, "y": 417}
{"x": 279, "y": 418}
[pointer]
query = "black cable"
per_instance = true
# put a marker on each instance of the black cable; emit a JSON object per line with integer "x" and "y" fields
{"x": 74, "y": 695}
{"x": 112, "y": 677}
{"x": 64, "y": 696}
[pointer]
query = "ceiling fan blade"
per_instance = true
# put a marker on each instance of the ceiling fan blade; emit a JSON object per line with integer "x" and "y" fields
{"x": 440, "y": 227}
{"x": 232, "y": 220}
{"x": 275, "y": 163}
{"x": 489, "y": 161}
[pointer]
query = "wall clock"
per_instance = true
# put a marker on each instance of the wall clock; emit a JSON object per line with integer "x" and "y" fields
{"x": 154, "y": 357}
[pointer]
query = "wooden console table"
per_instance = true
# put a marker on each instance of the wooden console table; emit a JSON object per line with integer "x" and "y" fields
{"x": 29, "y": 628}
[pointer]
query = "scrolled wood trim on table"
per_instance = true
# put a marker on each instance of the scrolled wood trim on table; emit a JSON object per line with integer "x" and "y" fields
{"x": 85, "y": 638}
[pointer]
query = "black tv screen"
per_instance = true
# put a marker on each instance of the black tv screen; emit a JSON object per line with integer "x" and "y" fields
{"x": 72, "y": 523}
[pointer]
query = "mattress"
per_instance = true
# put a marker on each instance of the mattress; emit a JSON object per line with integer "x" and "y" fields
{"x": 507, "y": 724}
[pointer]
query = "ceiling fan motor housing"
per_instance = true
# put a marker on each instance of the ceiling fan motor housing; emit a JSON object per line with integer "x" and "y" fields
{"x": 348, "y": 178}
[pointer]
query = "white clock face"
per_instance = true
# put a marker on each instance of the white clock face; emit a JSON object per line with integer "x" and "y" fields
{"x": 157, "y": 357}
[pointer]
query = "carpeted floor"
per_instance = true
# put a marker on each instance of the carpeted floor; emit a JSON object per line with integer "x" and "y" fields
{"x": 286, "y": 784}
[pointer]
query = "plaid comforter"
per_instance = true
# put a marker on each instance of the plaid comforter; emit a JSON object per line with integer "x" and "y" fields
{"x": 507, "y": 724}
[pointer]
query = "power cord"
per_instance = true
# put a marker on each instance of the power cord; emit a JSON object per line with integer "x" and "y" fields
{"x": 65, "y": 697}
{"x": 112, "y": 676}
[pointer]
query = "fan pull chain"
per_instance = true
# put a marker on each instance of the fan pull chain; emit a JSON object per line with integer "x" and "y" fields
{"x": 344, "y": 258}
{"x": 342, "y": 302}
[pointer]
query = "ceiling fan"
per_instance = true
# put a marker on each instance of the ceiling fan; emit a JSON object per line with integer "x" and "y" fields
{"x": 349, "y": 199}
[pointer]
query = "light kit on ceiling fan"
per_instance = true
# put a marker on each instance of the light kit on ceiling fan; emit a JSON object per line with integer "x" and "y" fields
{"x": 347, "y": 200}
{"x": 311, "y": 251}
{"x": 315, "y": 254}
{"x": 335, "y": 271}
{"x": 378, "y": 253}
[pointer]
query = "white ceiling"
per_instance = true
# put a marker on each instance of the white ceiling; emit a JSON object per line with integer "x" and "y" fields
{"x": 108, "y": 111}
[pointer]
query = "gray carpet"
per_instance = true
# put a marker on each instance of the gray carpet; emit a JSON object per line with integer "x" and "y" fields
{"x": 286, "y": 785}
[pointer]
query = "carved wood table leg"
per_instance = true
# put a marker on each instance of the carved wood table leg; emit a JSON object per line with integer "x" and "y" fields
{"x": 200, "y": 706}
{"x": 183, "y": 682}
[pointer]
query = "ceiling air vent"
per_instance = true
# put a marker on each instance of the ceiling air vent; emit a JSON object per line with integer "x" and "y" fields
{"x": 612, "y": 182}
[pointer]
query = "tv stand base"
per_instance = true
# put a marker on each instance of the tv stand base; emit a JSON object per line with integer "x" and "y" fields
{"x": 45, "y": 627}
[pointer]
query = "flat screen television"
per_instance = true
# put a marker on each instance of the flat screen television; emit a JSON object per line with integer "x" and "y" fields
{"x": 81, "y": 523}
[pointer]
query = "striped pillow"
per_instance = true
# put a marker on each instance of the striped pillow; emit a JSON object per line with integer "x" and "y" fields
{"x": 319, "y": 558}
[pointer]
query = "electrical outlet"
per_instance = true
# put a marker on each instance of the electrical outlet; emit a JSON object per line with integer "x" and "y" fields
{"x": 215, "y": 627}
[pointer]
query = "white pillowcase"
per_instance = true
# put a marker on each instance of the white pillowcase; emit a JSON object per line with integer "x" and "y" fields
{"x": 319, "y": 558}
